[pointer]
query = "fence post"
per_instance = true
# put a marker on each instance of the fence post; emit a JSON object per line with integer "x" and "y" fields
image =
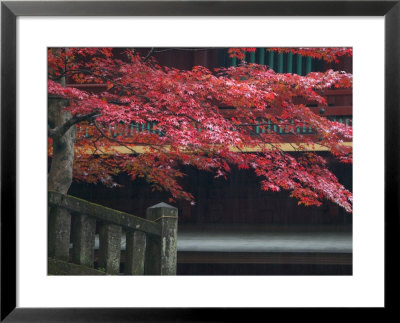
{"x": 83, "y": 240}
{"x": 135, "y": 252}
{"x": 110, "y": 248}
{"x": 59, "y": 229}
{"x": 162, "y": 251}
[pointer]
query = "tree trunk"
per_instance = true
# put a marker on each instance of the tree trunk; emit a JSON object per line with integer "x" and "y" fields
{"x": 60, "y": 175}
{"x": 59, "y": 180}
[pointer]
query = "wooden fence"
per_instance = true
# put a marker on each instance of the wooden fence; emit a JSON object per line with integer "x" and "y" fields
{"x": 151, "y": 243}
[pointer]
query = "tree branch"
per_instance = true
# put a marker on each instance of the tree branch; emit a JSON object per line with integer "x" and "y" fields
{"x": 60, "y": 130}
{"x": 148, "y": 54}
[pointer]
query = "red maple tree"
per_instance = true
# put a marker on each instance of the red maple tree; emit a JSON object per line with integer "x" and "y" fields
{"x": 148, "y": 120}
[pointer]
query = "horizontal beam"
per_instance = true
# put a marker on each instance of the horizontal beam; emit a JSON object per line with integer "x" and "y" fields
{"x": 102, "y": 213}
{"x": 334, "y": 110}
{"x": 308, "y": 258}
{"x": 200, "y": 8}
{"x": 289, "y": 147}
{"x": 334, "y": 92}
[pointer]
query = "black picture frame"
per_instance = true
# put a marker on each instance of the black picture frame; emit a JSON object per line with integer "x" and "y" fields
{"x": 10, "y": 10}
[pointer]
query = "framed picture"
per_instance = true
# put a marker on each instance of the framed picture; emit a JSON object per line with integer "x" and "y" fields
{"x": 370, "y": 27}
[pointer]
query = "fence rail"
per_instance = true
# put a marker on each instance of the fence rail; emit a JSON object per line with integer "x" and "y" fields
{"x": 262, "y": 126}
{"x": 151, "y": 243}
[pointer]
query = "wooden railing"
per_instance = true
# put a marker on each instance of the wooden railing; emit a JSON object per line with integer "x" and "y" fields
{"x": 339, "y": 109}
{"x": 280, "y": 62}
{"x": 151, "y": 243}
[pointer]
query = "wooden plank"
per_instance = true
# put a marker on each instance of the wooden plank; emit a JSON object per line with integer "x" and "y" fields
{"x": 290, "y": 62}
{"x": 334, "y": 111}
{"x": 299, "y": 64}
{"x": 280, "y": 63}
{"x": 105, "y": 214}
{"x": 135, "y": 253}
{"x": 261, "y": 57}
{"x": 347, "y": 91}
{"x": 252, "y": 58}
{"x": 271, "y": 59}
{"x": 308, "y": 65}
{"x": 110, "y": 248}
{"x": 286, "y": 146}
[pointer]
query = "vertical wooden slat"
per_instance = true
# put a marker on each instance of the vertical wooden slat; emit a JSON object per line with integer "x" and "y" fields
{"x": 83, "y": 239}
{"x": 299, "y": 63}
{"x": 135, "y": 252}
{"x": 233, "y": 61}
{"x": 244, "y": 57}
{"x": 252, "y": 58}
{"x": 127, "y": 130}
{"x": 263, "y": 126}
{"x": 110, "y": 248}
{"x": 290, "y": 62}
{"x": 280, "y": 63}
{"x": 271, "y": 59}
{"x": 59, "y": 229}
{"x": 308, "y": 65}
{"x": 261, "y": 56}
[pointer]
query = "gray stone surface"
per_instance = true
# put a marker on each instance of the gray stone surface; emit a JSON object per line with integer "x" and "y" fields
{"x": 59, "y": 267}
{"x": 110, "y": 250}
{"x": 329, "y": 242}
{"x": 334, "y": 242}
{"x": 162, "y": 252}
{"x": 135, "y": 253}
{"x": 83, "y": 237}
{"x": 59, "y": 229}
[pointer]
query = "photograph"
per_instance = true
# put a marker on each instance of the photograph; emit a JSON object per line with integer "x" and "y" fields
{"x": 200, "y": 160}
{"x": 199, "y": 155}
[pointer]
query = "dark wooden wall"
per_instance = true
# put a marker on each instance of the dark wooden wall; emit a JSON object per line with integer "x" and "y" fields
{"x": 236, "y": 200}
{"x": 186, "y": 58}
